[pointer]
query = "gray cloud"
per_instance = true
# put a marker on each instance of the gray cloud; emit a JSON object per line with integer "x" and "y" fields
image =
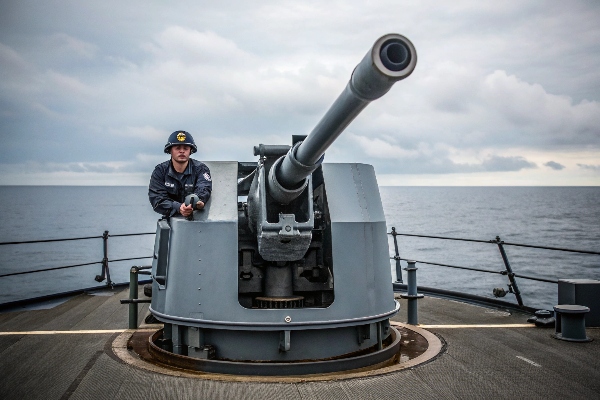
{"x": 554, "y": 165}
{"x": 499, "y": 163}
{"x": 423, "y": 159}
{"x": 589, "y": 167}
{"x": 433, "y": 165}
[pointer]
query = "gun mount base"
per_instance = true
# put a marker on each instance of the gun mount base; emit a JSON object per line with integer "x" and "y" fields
{"x": 386, "y": 352}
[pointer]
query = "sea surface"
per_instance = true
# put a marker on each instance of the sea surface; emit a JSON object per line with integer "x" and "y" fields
{"x": 565, "y": 217}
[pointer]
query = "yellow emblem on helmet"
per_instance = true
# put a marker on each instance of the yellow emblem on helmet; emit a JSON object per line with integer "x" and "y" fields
{"x": 181, "y": 136}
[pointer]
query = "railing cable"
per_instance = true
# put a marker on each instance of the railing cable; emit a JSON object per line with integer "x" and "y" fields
{"x": 452, "y": 266}
{"x": 493, "y": 241}
{"x": 513, "y": 287}
{"x": 71, "y": 266}
{"x": 75, "y": 238}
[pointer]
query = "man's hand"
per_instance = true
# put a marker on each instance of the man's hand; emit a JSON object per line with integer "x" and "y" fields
{"x": 186, "y": 211}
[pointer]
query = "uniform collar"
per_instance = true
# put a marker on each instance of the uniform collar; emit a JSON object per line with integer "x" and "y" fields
{"x": 187, "y": 171}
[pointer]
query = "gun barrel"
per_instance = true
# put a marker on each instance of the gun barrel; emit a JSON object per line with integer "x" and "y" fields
{"x": 392, "y": 58}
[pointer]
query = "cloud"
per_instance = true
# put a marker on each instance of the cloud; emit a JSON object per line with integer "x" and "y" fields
{"x": 203, "y": 70}
{"x": 451, "y": 88}
{"x": 379, "y": 148}
{"x": 135, "y": 134}
{"x": 67, "y": 86}
{"x": 389, "y": 157}
{"x": 554, "y": 165}
{"x": 13, "y": 65}
{"x": 499, "y": 163}
{"x": 502, "y": 110}
{"x": 32, "y": 93}
{"x": 467, "y": 109}
{"x": 17, "y": 75}
{"x": 545, "y": 118}
{"x": 80, "y": 167}
{"x": 193, "y": 47}
{"x": 589, "y": 167}
{"x": 67, "y": 46}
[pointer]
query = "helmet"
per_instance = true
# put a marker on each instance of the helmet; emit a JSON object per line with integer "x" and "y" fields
{"x": 180, "y": 137}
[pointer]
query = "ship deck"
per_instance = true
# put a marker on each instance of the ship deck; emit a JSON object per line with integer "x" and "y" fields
{"x": 65, "y": 352}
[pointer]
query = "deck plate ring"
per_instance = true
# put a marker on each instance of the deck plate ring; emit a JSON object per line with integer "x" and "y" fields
{"x": 431, "y": 345}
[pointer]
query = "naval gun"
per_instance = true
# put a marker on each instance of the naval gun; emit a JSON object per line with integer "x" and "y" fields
{"x": 286, "y": 269}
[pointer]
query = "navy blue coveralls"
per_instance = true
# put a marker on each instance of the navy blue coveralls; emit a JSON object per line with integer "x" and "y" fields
{"x": 168, "y": 188}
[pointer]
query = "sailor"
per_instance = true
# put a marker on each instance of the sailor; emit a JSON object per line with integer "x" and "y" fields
{"x": 178, "y": 177}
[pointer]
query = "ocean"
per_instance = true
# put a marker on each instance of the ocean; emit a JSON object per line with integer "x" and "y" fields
{"x": 566, "y": 217}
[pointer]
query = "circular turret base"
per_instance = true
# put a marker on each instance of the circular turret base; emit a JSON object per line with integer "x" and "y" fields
{"x": 351, "y": 361}
{"x": 416, "y": 347}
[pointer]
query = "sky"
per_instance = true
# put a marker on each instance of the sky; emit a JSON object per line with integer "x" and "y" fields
{"x": 504, "y": 93}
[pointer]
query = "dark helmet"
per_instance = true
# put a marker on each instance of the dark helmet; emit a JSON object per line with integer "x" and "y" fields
{"x": 180, "y": 137}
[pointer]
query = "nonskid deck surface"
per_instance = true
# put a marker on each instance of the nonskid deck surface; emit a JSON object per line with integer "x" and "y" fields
{"x": 65, "y": 352}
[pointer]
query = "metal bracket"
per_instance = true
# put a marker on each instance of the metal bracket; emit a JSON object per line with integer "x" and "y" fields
{"x": 284, "y": 341}
{"x": 288, "y": 226}
{"x": 364, "y": 333}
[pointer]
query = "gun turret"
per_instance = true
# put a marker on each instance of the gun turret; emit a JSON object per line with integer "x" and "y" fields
{"x": 299, "y": 274}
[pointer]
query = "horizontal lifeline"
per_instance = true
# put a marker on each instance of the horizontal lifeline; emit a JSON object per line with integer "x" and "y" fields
{"x": 81, "y": 332}
{"x": 477, "y": 326}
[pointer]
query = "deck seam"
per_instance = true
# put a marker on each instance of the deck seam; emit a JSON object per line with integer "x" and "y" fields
{"x": 77, "y": 381}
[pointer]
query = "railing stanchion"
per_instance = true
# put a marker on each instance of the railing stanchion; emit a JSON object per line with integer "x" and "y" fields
{"x": 412, "y": 296}
{"x": 105, "y": 271}
{"x": 133, "y": 300}
{"x": 397, "y": 257}
{"x": 509, "y": 272}
{"x": 105, "y": 259}
{"x": 133, "y": 295}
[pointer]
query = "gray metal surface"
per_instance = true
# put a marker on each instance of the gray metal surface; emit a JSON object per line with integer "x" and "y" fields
{"x": 203, "y": 256}
{"x": 204, "y": 282}
{"x": 275, "y": 241}
{"x": 478, "y": 363}
{"x": 583, "y": 292}
{"x": 253, "y": 368}
{"x": 570, "y": 322}
{"x": 359, "y": 241}
{"x": 201, "y": 280}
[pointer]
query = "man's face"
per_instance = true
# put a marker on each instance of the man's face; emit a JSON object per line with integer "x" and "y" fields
{"x": 180, "y": 153}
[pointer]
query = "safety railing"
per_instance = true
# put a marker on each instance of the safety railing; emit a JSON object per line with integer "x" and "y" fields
{"x": 104, "y": 274}
{"x": 507, "y": 271}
